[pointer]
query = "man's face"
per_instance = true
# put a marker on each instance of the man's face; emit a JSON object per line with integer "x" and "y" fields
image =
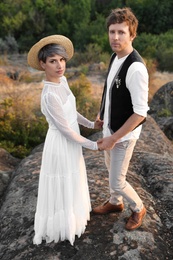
{"x": 120, "y": 39}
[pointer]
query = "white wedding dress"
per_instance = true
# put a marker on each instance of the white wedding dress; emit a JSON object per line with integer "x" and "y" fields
{"x": 63, "y": 204}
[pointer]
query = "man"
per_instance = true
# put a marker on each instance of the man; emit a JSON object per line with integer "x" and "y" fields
{"x": 124, "y": 108}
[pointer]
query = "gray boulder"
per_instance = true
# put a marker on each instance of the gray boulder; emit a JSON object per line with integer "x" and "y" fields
{"x": 161, "y": 109}
{"x": 7, "y": 165}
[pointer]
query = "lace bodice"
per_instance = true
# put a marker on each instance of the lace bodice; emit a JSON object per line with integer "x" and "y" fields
{"x": 58, "y": 104}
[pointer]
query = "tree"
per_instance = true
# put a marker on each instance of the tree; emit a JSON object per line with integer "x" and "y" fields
{"x": 155, "y": 16}
{"x": 82, "y": 21}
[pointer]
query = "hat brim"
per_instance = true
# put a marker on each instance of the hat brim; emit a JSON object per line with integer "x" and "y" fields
{"x": 32, "y": 57}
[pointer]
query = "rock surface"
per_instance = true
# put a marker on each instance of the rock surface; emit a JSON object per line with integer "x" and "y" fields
{"x": 161, "y": 108}
{"x": 7, "y": 166}
{"x": 150, "y": 172}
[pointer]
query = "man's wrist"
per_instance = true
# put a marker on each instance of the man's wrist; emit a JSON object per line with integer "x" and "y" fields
{"x": 114, "y": 138}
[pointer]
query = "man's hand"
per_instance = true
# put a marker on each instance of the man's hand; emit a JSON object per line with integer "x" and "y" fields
{"x": 98, "y": 124}
{"x": 106, "y": 143}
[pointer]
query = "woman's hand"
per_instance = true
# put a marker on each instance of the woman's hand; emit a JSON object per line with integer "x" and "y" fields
{"x": 106, "y": 143}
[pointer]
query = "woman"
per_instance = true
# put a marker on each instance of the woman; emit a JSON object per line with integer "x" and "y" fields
{"x": 63, "y": 205}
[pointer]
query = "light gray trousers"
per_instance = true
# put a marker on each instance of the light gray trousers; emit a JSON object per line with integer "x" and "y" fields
{"x": 117, "y": 162}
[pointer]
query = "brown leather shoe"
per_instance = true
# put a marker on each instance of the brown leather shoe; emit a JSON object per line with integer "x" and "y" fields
{"x": 107, "y": 207}
{"x": 135, "y": 220}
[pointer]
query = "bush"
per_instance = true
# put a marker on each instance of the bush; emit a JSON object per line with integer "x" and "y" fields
{"x": 21, "y": 129}
{"x": 146, "y": 45}
{"x": 157, "y": 47}
{"x": 86, "y": 104}
{"x": 164, "y": 52}
{"x": 165, "y": 112}
{"x": 18, "y": 151}
{"x": 93, "y": 54}
{"x": 8, "y": 45}
{"x": 165, "y": 60}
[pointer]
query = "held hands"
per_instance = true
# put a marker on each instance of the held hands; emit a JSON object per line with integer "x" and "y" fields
{"x": 106, "y": 143}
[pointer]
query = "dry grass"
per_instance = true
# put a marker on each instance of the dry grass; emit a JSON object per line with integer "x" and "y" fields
{"x": 158, "y": 80}
{"x": 20, "y": 92}
{"x": 28, "y": 85}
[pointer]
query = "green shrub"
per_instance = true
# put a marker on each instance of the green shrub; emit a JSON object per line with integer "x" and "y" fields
{"x": 84, "y": 69}
{"x": 93, "y": 54}
{"x": 146, "y": 45}
{"x": 157, "y": 47}
{"x": 165, "y": 59}
{"x": 18, "y": 151}
{"x": 8, "y": 45}
{"x": 164, "y": 113}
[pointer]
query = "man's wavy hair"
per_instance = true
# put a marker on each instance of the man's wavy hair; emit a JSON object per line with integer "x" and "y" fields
{"x": 123, "y": 15}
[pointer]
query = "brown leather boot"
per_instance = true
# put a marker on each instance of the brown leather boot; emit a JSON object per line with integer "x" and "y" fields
{"x": 135, "y": 220}
{"x": 107, "y": 207}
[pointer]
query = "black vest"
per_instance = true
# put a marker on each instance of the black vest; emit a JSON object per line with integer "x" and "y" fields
{"x": 120, "y": 104}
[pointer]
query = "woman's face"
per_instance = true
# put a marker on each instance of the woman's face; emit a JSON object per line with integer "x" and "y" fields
{"x": 54, "y": 68}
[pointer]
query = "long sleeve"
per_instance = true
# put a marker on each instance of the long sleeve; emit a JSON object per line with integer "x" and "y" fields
{"x": 137, "y": 83}
{"x": 53, "y": 109}
{"x": 84, "y": 121}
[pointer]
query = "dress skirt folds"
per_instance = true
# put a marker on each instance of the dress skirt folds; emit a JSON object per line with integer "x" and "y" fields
{"x": 63, "y": 204}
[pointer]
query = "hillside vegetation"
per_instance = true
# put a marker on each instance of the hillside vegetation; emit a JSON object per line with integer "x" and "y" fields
{"x": 24, "y": 22}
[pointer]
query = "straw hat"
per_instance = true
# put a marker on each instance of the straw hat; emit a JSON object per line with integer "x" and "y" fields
{"x": 57, "y": 39}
